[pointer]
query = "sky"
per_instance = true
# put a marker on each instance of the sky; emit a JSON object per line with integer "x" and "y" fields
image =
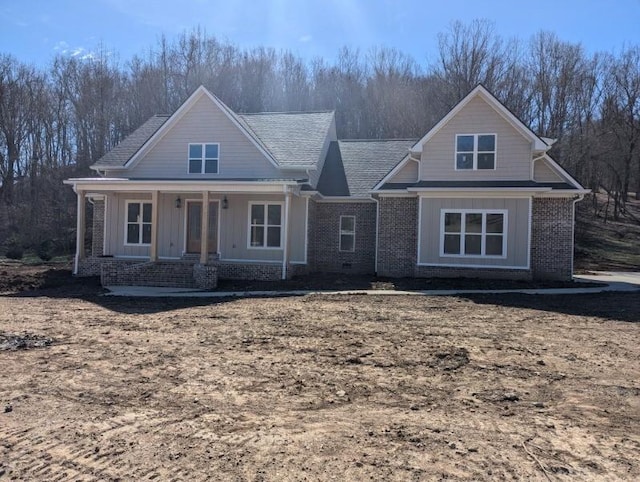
{"x": 34, "y": 31}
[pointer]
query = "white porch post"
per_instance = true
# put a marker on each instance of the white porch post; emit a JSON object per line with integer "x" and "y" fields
{"x": 80, "y": 229}
{"x": 204, "y": 235}
{"x": 153, "y": 249}
{"x": 285, "y": 251}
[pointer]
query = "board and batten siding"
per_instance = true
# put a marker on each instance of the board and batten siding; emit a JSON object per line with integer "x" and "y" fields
{"x": 204, "y": 123}
{"x": 513, "y": 150}
{"x": 542, "y": 172}
{"x": 407, "y": 173}
{"x": 517, "y": 231}
{"x": 234, "y": 225}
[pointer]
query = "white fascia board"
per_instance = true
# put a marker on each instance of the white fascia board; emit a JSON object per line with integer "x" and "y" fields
{"x": 480, "y": 193}
{"x": 565, "y": 193}
{"x": 538, "y": 143}
{"x": 393, "y": 193}
{"x": 344, "y": 199}
{"x": 102, "y": 185}
{"x": 182, "y": 110}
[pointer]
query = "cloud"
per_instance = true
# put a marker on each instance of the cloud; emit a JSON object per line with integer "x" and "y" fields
{"x": 78, "y": 52}
{"x": 305, "y": 38}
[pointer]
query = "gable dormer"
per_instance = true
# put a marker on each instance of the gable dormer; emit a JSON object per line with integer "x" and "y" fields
{"x": 478, "y": 140}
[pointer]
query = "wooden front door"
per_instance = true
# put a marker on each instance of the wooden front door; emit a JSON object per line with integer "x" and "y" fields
{"x": 194, "y": 226}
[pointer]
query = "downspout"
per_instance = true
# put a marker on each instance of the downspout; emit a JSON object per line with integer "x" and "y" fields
{"x": 375, "y": 265}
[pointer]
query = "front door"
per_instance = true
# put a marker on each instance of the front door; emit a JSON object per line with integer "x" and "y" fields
{"x": 194, "y": 226}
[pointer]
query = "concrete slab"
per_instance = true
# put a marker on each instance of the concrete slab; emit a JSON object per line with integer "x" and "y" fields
{"x": 614, "y": 281}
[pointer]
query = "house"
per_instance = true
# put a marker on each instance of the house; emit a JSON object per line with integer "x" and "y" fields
{"x": 206, "y": 193}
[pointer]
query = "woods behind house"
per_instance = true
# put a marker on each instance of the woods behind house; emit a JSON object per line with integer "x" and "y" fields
{"x": 56, "y": 121}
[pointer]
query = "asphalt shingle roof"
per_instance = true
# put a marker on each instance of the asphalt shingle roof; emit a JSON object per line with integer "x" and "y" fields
{"x": 120, "y": 154}
{"x": 364, "y": 163}
{"x": 292, "y": 138}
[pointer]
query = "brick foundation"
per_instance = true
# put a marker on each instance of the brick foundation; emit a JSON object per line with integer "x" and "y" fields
{"x": 552, "y": 238}
{"x": 205, "y": 276}
{"x": 397, "y": 237}
{"x": 485, "y": 273}
{"x": 253, "y": 271}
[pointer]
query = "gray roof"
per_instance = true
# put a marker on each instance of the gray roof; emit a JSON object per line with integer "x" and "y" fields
{"x": 292, "y": 138}
{"x": 120, "y": 154}
{"x": 354, "y": 167}
{"x": 479, "y": 184}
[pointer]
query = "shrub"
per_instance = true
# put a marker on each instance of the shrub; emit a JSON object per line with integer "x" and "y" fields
{"x": 45, "y": 250}
{"x": 14, "y": 251}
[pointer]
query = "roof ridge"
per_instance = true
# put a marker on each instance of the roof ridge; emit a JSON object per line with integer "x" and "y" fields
{"x": 289, "y": 112}
{"x": 407, "y": 139}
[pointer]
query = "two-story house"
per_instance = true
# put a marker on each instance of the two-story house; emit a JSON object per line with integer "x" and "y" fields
{"x": 206, "y": 193}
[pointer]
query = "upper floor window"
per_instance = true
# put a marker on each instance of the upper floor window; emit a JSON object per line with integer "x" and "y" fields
{"x": 347, "y": 233}
{"x": 475, "y": 151}
{"x": 203, "y": 158}
{"x": 138, "y": 223}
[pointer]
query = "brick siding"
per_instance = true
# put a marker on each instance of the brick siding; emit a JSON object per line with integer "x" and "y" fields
{"x": 252, "y": 271}
{"x": 327, "y": 256}
{"x": 485, "y": 273}
{"x": 552, "y": 238}
{"x": 397, "y": 238}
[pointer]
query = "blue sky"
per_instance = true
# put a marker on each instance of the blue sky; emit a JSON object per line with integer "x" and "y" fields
{"x": 33, "y": 31}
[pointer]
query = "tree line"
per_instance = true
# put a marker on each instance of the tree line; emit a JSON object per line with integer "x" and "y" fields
{"x": 56, "y": 121}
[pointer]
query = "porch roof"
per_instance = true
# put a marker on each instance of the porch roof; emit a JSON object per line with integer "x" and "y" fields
{"x": 115, "y": 184}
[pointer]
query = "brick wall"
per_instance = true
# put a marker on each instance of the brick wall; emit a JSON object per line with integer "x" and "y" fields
{"x": 552, "y": 238}
{"x": 327, "y": 256}
{"x": 97, "y": 238}
{"x": 253, "y": 271}
{"x": 174, "y": 274}
{"x": 485, "y": 273}
{"x": 397, "y": 238}
{"x": 311, "y": 235}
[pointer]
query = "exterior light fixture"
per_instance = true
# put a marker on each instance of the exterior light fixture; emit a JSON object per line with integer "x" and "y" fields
{"x": 178, "y": 202}
{"x": 225, "y": 202}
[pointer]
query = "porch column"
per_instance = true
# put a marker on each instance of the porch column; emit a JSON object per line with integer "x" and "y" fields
{"x": 285, "y": 250}
{"x": 204, "y": 234}
{"x": 80, "y": 228}
{"x": 153, "y": 249}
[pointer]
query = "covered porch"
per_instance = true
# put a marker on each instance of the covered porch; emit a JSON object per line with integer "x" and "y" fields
{"x": 187, "y": 234}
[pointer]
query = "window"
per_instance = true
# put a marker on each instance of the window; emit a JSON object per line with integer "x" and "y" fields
{"x": 475, "y": 151}
{"x": 473, "y": 233}
{"x": 347, "y": 233}
{"x": 265, "y": 225}
{"x": 138, "y": 223}
{"x": 203, "y": 158}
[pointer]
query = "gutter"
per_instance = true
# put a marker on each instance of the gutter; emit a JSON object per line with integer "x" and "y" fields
{"x": 375, "y": 265}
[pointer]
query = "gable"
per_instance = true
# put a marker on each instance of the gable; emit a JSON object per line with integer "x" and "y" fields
{"x": 544, "y": 172}
{"x": 477, "y": 116}
{"x": 204, "y": 122}
{"x": 407, "y": 173}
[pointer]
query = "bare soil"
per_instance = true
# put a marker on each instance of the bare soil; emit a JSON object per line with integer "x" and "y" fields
{"x": 319, "y": 388}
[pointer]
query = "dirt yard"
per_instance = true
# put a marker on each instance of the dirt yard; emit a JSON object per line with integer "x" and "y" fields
{"x": 320, "y": 388}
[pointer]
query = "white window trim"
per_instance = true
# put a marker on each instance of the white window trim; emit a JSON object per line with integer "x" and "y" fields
{"x": 476, "y": 152}
{"x": 140, "y": 223}
{"x": 203, "y": 158}
{"x": 265, "y": 204}
{"x": 484, "y": 212}
{"x": 342, "y": 232}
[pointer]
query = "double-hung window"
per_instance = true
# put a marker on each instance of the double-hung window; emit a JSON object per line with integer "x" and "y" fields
{"x": 265, "y": 225}
{"x": 203, "y": 158}
{"x": 347, "y": 233}
{"x": 479, "y": 233}
{"x": 475, "y": 151}
{"x": 138, "y": 223}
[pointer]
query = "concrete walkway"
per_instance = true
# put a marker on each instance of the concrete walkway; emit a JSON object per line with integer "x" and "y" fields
{"x": 614, "y": 281}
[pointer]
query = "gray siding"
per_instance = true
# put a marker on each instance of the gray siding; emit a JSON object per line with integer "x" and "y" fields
{"x": 513, "y": 150}
{"x": 204, "y": 122}
{"x": 408, "y": 173}
{"x": 115, "y": 214}
{"x": 542, "y": 172}
{"x": 517, "y": 231}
